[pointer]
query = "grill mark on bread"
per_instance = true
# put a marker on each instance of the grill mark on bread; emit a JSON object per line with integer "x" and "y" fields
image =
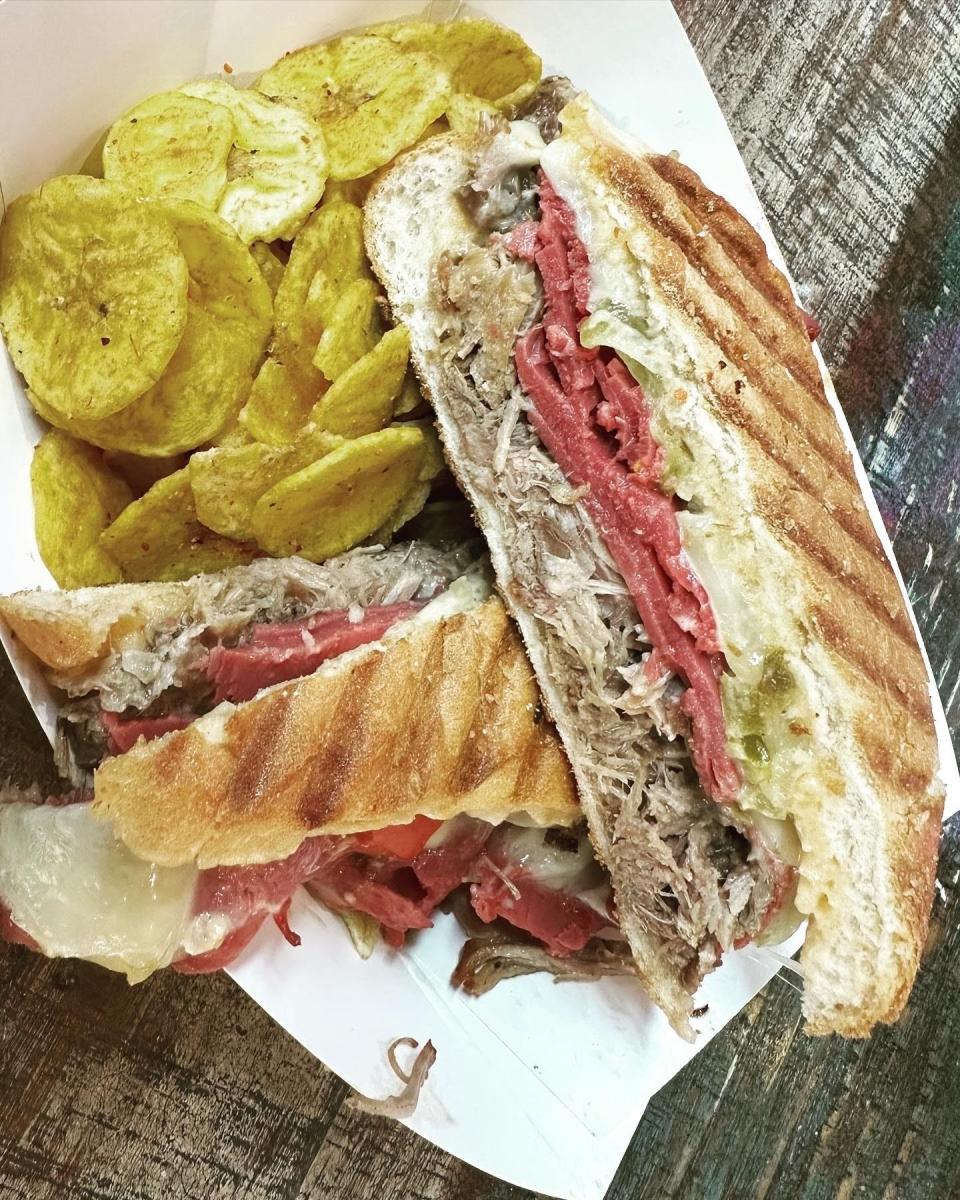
{"x": 477, "y": 762}
{"x": 418, "y": 752}
{"x": 783, "y": 334}
{"x": 835, "y": 634}
{"x": 842, "y": 508}
{"x": 805, "y": 410}
{"x": 731, "y": 344}
{"x": 332, "y": 769}
{"x": 803, "y": 426}
{"x": 737, "y": 237}
{"x": 774, "y": 506}
{"x": 368, "y": 744}
{"x": 886, "y": 762}
{"x": 256, "y": 731}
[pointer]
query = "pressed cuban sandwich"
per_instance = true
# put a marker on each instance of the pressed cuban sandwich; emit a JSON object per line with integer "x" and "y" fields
{"x": 626, "y": 390}
{"x": 369, "y": 727}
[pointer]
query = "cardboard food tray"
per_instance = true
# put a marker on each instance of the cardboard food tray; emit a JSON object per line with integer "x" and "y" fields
{"x": 538, "y": 1083}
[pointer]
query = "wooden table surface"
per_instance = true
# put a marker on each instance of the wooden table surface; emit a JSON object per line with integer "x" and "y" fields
{"x": 847, "y": 116}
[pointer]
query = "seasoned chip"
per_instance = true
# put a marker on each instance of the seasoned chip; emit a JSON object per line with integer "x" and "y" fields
{"x": 416, "y": 497}
{"x": 352, "y": 191}
{"x": 171, "y": 145}
{"x": 93, "y": 294}
{"x": 277, "y": 167}
{"x": 204, "y": 385}
{"x": 271, "y": 266}
{"x": 363, "y": 398}
{"x": 327, "y": 255}
{"x": 433, "y": 460}
{"x": 75, "y": 497}
{"x": 465, "y": 112}
{"x": 224, "y": 277}
{"x": 483, "y": 59}
{"x": 354, "y": 329}
{"x": 276, "y": 408}
{"x": 142, "y": 473}
{"x": 211, "y": 372}
{"x": 233, "y": 435}
{"x": 339, "y": 501}
{"x": 410, "y": 398}
{"x": 159, "y": 536}
{"x": 228, "y": 482}
{"x": 370, "y": 98}
{"x": 409, "y": 507}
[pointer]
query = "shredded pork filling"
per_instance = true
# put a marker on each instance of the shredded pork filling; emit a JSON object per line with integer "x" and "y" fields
{"x": 178, "y": 666}
{"x": 685, "y": 870}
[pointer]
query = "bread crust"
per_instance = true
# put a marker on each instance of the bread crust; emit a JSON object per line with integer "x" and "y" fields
{"x": 67, "y": 631}
{"x": 870, "y": 840}
{"x": 442, "y": 721}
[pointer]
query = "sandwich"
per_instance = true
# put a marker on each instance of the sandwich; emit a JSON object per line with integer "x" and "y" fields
{"x": 368, "y": 727}
{"x": 626, "y": 391}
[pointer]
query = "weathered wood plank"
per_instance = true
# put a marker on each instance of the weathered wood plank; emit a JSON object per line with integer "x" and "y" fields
{"x": 847, "y": 116}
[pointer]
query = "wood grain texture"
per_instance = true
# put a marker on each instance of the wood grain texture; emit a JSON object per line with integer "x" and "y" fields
{"x": 848, "y": 118}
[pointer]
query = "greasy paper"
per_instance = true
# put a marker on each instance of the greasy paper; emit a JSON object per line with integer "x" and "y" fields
{"x": 539, "y": 1083}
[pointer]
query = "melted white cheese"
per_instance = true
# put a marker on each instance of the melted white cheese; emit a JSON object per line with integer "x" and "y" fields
{"x": 79, "y": 892}
{"x": 577, "y": 873}
{"x": 463, "y": 595}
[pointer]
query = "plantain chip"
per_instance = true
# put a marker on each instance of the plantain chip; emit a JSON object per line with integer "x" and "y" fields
{"x": 211, "y": 372}
{"x": 233, "y": 435}
{"x": 352, "y": 191}
{"x": 354, "y": 329}
{"x": 75, "y": 497}
{"x": 409, "y": 507}
{"x": 277, "y": 166}
{"x": 171, "y": 145}
{"x": 158, "y": 537}
{"x": 224, "y": 277}
{"x": 412, "y": 504}
{"x": 371, "y": 99}
{"x": 227, "y": 482}
{"x": 276, "y": 408}
{"x": 433, "y": 460}
{"x": 483, "y": 59}
{"x": 337, "y": 502}
{"x": 364, "y": 397}
{"x": 93, "y": 294}
{"x": 271, "y": 266}
{"x": 410, "y": 398}
{"x": 327, "y": 255}
{"x": 142, "y": 473}
{"x": 465, "y": 112}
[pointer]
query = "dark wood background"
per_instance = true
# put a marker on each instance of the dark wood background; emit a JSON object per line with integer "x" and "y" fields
{"x": 847, "y": 115}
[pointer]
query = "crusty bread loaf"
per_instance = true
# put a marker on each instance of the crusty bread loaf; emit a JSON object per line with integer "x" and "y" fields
{"x": 748, "y": 401}
{"x": 438, "y": 721}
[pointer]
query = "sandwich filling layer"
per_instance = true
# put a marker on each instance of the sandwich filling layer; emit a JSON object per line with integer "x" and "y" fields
{"x": 628, "y": 636}
{"x": 70, "y": 888}
{"x": 593, "y": 418}
{"x": 228, "y": 636}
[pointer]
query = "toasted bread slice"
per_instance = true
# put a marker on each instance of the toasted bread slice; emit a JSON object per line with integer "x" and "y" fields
{"x": 791, "y": 556}
{"x": 439, "y": 720}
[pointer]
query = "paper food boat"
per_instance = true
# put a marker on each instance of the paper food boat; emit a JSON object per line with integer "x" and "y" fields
{"x": 540, "y": 1084}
